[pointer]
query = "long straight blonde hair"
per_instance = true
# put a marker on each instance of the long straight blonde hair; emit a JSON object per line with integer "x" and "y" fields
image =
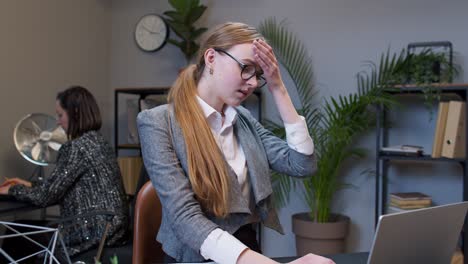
{"x": 207, "y": 168}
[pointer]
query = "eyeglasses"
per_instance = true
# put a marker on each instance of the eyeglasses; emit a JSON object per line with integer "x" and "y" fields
{"x": 247, "y": 70}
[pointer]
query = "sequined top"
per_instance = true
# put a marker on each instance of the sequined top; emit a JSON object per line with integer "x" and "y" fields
{"x": 85, "y": 179}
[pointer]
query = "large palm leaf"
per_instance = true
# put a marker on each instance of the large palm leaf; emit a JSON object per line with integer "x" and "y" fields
{"x": 335, "y": 123}
{"x": 293, "y": 55}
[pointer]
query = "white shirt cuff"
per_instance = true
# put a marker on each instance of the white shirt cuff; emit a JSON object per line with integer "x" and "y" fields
{"x": 298, "y": 138}
{"x": 222, "y": 247}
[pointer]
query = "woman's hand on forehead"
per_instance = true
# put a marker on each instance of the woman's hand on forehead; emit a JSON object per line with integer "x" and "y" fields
{"x": 266, "y": 59}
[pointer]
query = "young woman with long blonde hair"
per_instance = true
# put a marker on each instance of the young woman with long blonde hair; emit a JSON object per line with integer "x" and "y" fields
{"x": 210, "y": 160}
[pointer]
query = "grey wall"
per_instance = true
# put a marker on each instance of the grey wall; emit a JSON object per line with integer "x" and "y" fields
{"x": 45, "y": 47}
{"x": 339, "y": 35}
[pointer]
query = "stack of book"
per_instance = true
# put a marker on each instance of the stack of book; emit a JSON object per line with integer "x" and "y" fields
{"x": 408, "y": 201}
{"x": 408, "y": 150}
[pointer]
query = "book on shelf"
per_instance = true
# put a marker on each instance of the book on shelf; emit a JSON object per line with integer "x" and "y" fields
{"x": 410, "y": 206}
{"x": 440, "y": 130}
{"x": 393, "y": 209}
{"x": 454, "y": 136}
{"x": 409, "y": 196}
{"x": 397, "y": 209}
{"x": 422, "y": 202}
{"x": 403, "y": 150}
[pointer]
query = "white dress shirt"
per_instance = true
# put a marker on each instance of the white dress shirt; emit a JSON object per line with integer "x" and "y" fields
{"x": 220, "y": 246}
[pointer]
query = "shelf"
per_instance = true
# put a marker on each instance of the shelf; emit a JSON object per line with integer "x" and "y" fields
{"x": 415, "y": 89}
{"x": 417, "y": 158}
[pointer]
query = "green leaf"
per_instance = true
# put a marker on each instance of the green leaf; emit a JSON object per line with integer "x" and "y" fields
{"x": 175, "y": 16}
{"x": 180, "y": 5}
{"x": 195, "y": 34}
{"x": 176, "y": 43}
{"x": 114, "y": 260}
{"x": 181, "y": 30}
{"x": 195, "y": 14}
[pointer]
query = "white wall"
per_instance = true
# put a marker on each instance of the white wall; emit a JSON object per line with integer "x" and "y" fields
{"x": 340, "y": 35}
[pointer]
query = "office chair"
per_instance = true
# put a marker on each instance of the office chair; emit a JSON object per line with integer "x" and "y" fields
{"x": 147, "y": 220}
{"x": 102, "y": 253}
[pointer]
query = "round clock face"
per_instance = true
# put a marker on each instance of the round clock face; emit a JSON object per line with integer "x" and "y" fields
{"x": 151, "y": 32}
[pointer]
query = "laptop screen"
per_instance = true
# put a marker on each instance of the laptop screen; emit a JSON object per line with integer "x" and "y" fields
{"x": 428, "y": 235}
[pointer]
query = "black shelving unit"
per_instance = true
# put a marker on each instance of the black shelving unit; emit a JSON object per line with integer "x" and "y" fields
{"x": 384, "y": 160}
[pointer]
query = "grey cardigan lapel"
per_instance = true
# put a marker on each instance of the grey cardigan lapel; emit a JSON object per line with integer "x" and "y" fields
{"x": 238, "y": 204}
{"x": 257, "y": 162}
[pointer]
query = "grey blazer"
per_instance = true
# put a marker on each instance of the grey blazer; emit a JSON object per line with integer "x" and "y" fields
{"x": 185, "y": 225}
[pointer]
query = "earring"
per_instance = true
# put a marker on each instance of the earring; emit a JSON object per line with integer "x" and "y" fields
{"x": 211, "y": 71}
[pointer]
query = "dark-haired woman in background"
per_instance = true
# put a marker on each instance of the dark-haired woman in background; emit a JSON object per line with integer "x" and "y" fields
{"x": 86, "y": 178}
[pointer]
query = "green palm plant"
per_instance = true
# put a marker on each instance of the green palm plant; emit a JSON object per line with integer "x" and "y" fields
{"x": 181, "y": 20}
{"x": 334, "y": 124}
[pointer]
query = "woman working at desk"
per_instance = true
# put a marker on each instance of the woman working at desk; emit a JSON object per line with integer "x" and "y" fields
{"x": 86, "y": 178}
{"x": 209, "y": 159}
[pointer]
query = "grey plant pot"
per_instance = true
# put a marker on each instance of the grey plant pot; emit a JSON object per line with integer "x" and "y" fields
{"x": 320, "y": 238}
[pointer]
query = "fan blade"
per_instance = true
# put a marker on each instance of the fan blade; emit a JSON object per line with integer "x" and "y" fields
{"x": 59, "y": 135}
{"x": 54, "y": 145}
{"x": 36, "y": 151}
{"x": 29, "y": 133}
{"x": 37, "y": 128}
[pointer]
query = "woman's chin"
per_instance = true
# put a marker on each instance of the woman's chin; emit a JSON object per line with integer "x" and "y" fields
{"x": 236, "y": 103}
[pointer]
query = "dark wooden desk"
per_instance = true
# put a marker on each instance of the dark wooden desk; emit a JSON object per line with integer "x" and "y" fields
{"x": 348, "y": 258}
{"x": 9, "y": 207}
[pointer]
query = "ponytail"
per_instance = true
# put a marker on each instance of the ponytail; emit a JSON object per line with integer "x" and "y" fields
{"x": 207, "y": 168}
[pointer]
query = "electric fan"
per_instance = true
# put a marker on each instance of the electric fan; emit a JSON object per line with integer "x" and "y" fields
{"x": 38, "y": 138}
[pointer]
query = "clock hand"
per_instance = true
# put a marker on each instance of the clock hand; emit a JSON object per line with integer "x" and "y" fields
{"x": 149, "y": 30}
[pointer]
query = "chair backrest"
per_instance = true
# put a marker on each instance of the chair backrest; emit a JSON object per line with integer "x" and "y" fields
{"x": 146, "y": 225}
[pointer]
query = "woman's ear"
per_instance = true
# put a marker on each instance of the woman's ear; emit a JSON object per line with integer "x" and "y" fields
{"x": 209, "y": 57}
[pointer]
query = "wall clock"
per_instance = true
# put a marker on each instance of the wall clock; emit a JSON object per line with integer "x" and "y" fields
{"x": 151, "y": 32}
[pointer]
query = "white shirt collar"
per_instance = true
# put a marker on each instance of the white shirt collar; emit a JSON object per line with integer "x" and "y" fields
{"x": 214, "y": 117}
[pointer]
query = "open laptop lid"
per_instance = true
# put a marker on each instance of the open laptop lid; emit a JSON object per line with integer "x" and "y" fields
{"x": 427, "y": 235}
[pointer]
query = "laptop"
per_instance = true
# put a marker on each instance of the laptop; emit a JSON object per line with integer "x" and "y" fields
{"x": 428, "y": 235}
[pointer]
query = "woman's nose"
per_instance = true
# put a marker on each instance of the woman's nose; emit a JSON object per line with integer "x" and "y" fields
{"x": 252, "y": 82}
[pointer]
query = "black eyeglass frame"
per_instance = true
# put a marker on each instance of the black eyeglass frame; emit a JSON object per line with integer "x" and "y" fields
{"x": 243, "y": 66}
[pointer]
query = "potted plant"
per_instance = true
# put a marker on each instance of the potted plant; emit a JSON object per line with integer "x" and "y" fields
{"x": 333, "y": 125}
{"x": 426, "y": 68}
{"x": 181, "y": 21}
